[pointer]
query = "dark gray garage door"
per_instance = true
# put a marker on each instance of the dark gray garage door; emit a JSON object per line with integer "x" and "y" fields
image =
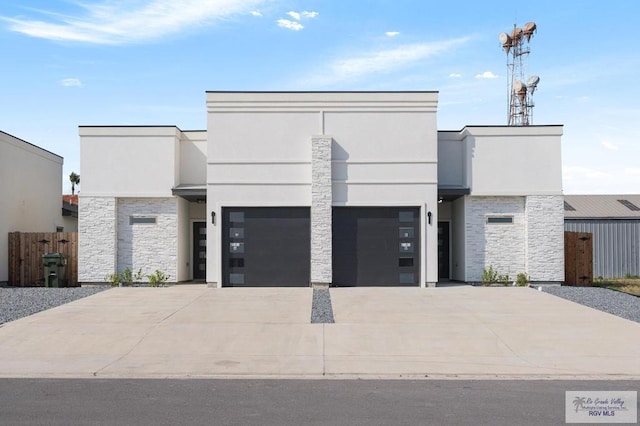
{"x": 376, "y": 246}
{"x": 266, "y": 246}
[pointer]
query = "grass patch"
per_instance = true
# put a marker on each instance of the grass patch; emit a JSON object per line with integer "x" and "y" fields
{"x": 625, "y": 285}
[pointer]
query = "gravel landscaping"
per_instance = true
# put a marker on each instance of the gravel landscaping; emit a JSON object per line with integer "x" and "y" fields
{"x": 610, "y": 301}
{"x": 18, "y": 302}
{"x": 321, "y": 309}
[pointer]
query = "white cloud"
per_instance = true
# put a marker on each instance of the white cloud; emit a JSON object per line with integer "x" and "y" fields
{"x": 486, "y": 74}
{"x": 455, "y": 75}
{"x": 290, "y": 25}
{"x": 71, "y": 82}
{"x": 380, "y": 61}
{"x": 120, "y": 21}
{"x": 310, "y": 15}
{"x": 256, "y": 13}
{"x": 600, "y": 180}
{"x": 392, "y": 33}
{"x": 609, "y": 145}
{"x": 294, "y": 15}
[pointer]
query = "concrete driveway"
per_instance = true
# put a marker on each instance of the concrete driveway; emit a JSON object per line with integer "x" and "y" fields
{"x": 195, "y": 331}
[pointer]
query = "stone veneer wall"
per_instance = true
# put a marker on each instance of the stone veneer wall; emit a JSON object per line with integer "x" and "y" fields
{"x": 144, "y": 245}
{"x": 500, "y": 245}
{"x": 321, "y": 204}
{"x": 96, "y": 238}
{"x": 545, "y": 238}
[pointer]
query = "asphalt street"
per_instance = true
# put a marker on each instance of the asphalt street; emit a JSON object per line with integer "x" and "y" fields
{"x": 289, "y": 402}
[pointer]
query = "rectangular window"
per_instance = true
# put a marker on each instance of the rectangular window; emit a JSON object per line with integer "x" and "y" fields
{"x": 59, "y": 228}
{"x": 236, "y": 217}
{"x": 406, "y": 232}
{"x": 133, "y": 220}
{"x": 236, "y": 278}
{"x": 236, "y": 232}
{"x": 405, "y": 261}
{"x": 407, "y": 278}
{"x": 405, "y": 216}
{"x": 499, "y": 219}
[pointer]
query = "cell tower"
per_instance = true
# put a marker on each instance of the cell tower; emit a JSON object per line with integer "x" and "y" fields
{"x": 519, "y": 84}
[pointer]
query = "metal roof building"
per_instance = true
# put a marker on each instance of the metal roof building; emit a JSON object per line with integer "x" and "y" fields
{"x": 614, "y": 221}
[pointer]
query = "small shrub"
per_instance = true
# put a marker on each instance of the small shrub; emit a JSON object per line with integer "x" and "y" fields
{"x": 491, "y": 276}
{"x": 125, "y": 277}
{"x": 522, "y": 279}
{"x": 114, "y": 279}
{"x": 158, "y": 278}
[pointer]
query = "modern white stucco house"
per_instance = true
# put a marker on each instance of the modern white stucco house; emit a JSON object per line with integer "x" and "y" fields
{"x": 31, "y": 187}
{"x": 341, "y": 188}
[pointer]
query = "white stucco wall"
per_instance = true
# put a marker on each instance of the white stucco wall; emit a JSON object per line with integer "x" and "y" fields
{"x": 451, "y": 159}
{"x": 129, "y": 161}
{"x": 384, "y": 153}
{"x": 31, "y": 188}
{"x": 193, "y": 158}
{"x": 513, "y": 160}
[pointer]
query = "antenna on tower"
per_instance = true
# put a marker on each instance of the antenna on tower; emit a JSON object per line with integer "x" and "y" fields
{"x": 519, "y": 85}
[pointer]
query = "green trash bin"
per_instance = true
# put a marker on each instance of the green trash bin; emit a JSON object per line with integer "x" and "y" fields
{"x": 55, "y": 270}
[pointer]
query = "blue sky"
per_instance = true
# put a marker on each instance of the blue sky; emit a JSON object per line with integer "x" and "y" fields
{"x": 66, "y": 63}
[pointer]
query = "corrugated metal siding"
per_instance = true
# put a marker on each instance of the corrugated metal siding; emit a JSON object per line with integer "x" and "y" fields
{"x": 616, "y": 245}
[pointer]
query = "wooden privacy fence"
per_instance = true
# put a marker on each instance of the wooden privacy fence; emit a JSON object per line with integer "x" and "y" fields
{"x": 25, "y": 256}
{"x": 578, "y": 258}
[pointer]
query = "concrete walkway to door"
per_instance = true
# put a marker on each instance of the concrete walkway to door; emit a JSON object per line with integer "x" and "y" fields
{"x": 195, "y": 331}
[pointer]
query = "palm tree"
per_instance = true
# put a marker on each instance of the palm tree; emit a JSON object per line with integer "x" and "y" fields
{"x": 75, "y": 180}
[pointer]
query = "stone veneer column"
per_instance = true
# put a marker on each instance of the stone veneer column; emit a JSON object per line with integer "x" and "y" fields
{"x": 321, "y": 202}
{"x": 545, "y": 238}
{"x": 96, "y": 238}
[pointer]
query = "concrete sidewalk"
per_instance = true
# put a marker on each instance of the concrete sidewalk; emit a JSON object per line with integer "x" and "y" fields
{"x": 194, "y": 331}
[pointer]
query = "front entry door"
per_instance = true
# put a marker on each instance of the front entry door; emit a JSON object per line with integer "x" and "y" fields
{"x": 443, "y": 250}
{"x": 199, "y": 250}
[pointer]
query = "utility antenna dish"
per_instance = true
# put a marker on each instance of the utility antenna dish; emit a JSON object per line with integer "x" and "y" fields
{"x": 520, "y": 87}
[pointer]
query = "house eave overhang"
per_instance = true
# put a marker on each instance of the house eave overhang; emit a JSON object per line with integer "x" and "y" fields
{"x": 191, "y": 193}
{"x": 452, "y": 193}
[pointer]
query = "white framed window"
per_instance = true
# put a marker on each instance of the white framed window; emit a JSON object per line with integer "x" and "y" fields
{"x": 135, "y": 220}
{"x": 505, "y": 220}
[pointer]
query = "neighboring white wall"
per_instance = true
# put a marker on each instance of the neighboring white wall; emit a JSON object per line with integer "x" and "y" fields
{"x": 96, "y": 238}
{"x": 145, "y": 245}
{"x": 70, "y": 224}
{"x": 499, "y": 245}
{"x": 545, "y": 238}
{"x": 384, "y": 154}
{"x": 31, "y": 188}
